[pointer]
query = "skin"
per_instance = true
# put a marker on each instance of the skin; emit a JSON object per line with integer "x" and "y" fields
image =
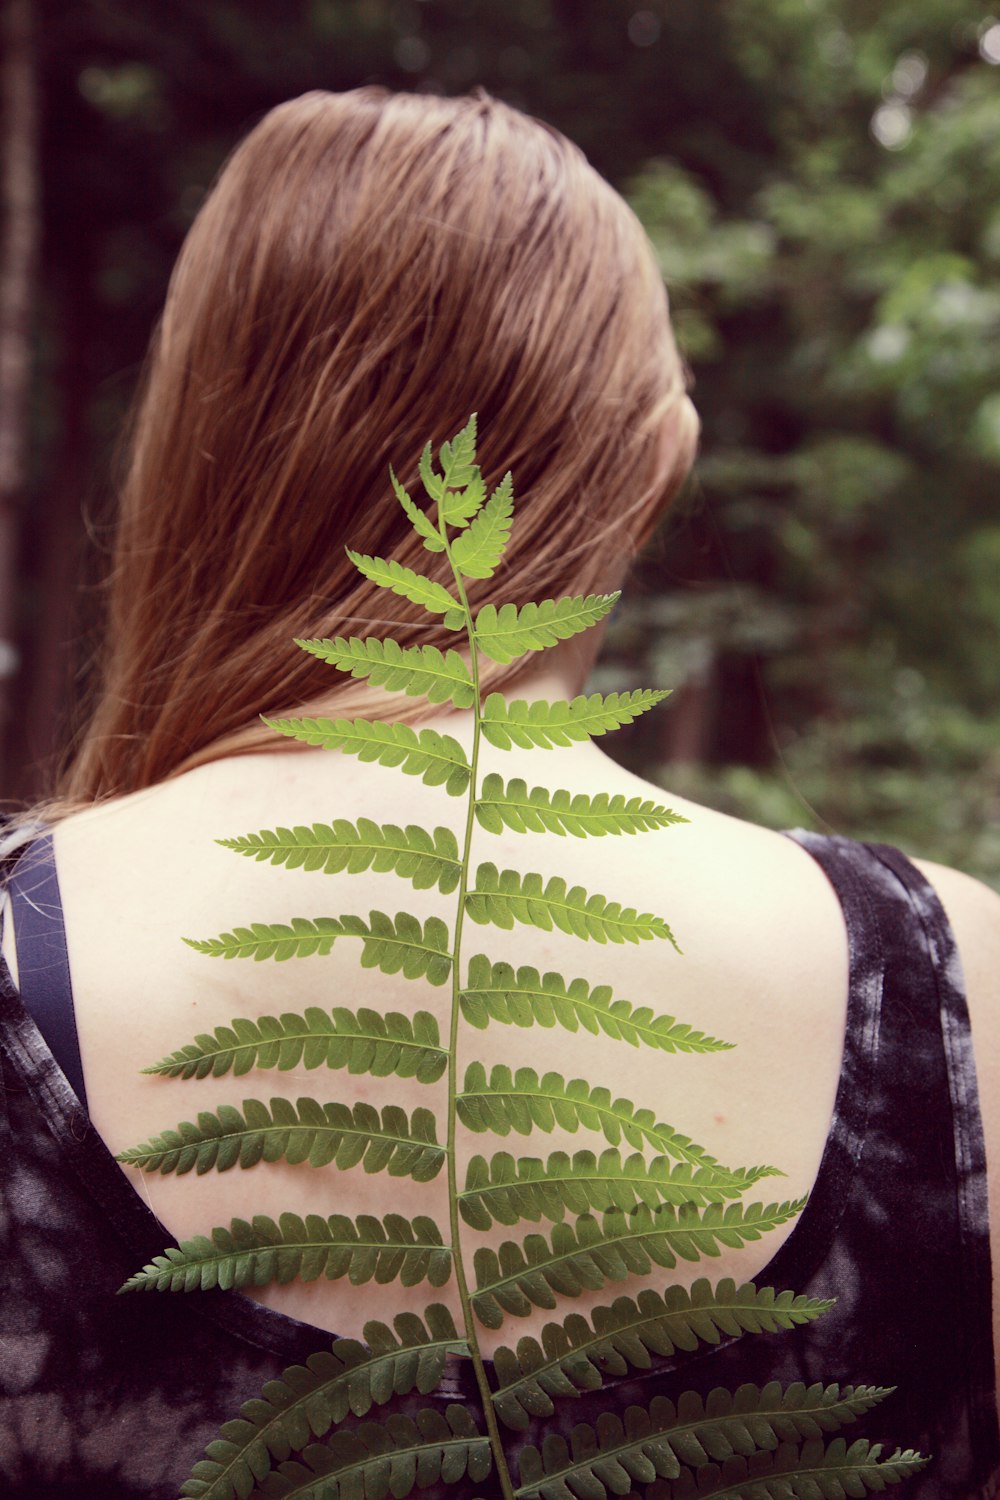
{"x": 775, "y": 987}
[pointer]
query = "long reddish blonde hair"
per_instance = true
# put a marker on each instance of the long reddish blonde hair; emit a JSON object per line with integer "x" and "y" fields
{"x": 369, "y": 269}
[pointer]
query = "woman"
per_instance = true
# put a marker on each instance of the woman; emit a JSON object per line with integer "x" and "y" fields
{"x": 368, "y": 270}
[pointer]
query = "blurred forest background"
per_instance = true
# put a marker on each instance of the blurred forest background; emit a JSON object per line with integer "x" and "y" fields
{"x": 821, "y": 179}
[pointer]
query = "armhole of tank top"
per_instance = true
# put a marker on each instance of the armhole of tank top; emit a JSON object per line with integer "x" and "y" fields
{"x": 796, "y": 1262}
{"x": 944, "y": 963}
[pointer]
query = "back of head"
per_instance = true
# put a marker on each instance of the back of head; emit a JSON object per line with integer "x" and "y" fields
{"x": 368, "y": 270}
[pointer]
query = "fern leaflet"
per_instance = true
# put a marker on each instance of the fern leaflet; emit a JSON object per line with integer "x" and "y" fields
{"x": 365, "y": 1041}
{"x": 309, "y": 1399}
{"x": 396, "y": 945}
{"x": 506, "y": 1188}
{"x": 586, "y": 1255}
{"x": 833, "y": 1472}
{"x": 545, "y": 724}
{"x": 438, "y": 759}
{"x": 388, "y": 574}
{"x": 524, "y": 1102}
{"x": 510, "y": 805}
{"x": 477, "y": 551}
{"x": 509, "y": 632}
{"x": 505, "y": 897}
{"x": 302, "y": 1132}
{"x": 426, "y": 859}
{"x": 419, "y": 520}
{"x": 257, "y": 1253}
{"x": 650, "y": 1443}
{"x": 424, "y": 671}
{"x": 575, "y": 1355}
{"x": 496, "y": 992}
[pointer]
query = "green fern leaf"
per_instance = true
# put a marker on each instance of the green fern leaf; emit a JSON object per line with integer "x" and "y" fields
{"x": 506, "y": 1189}
{"x": 421, "y": 523}
{"x": 415, "y": 670}
{"x": 459, "y": 455}
{"x": 309, "y": 1399}
{"x": 587, "y": 1255}
{"x": 507, "y": 633}
{"x": 477, "y": 551}
{"x": 811, "y": 1471}
{"x": 399, "y": 945}
{"x": 545, "y": 724}
{"x": 426, "y": 859}
{"x": 505, "y": 897}
{"x": 261, "y": 1252}
{"x": 365, "y": 1041}
{"x": 524, "y": 1102}
{"x": 437, "y": 759}
{"x": 578, "y": 1354}
{"x": 496, "y": 992}
{"x": 302, "y": 1132}
{"x": 652, "y": 1442}
{"x": 433, "y": 597}
{"x": 392, "y": 1456}
{"x": 503, "y": 805}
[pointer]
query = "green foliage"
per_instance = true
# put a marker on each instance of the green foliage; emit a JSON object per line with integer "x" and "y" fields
{"x": 477, "y": 551}
{"x": 362, "y": 1041}
{"x": 508, "y": 632}
{"x": 649, "y": 1198}
{"x": 495, "y": 992}
{"x": 395, "y": 945}
{"x": 428, "y": 859}
{"x": 542, "y": 725}
{"x": 576, "y": 1355}
{"x": 424, "y": 671}
{"x": 261, "y": 1252}
{"x": 438, "y": 759}
{"x": 834, "y": 1471}
{"x": 588, "y": 1254}
{"x": 504, "y": 897}
{"x": 309, "y": 1399}
{"x": 510, "y": 805}
{"x": 302, "y": 1132}
{"x": 652, "y": 1443}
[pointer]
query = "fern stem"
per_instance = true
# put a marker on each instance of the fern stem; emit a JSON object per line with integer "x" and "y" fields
{"x": 458, "y": 1262}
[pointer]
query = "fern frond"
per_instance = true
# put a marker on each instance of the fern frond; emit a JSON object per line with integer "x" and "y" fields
{"x": 510, "y": 805}
{"x": 302, "y": 1132}
{"x": 261, "y": 1252}
{"x": 427, "y": 859}
{"x": 363, "y": 1041}
{"x": 651, "y": 1442}
{"x": 309, "y": 1399}
{"x": 506, "y": 1189}
{"x": 458, "y": 456}
{"x": 576, "y": 1355}
{"x": 524, "y": 1102}
{"x": 477, "y": 551}
{"x": 507, "y": 633}
{"x": 545, "y": 724}
{"x": 396, "y": 945}
{"x": 386, "y": 573}
{"x": 587, "y": 1255}
{"x": 415, "y": 670}
{"x": 811, "y": 1471}
{"x": 505, "y": 897}
{"x": 437, "y": 759}
{"x": 496, "y": 992}
{"x": 418, "y": 519}
{"x": 391, "y": 1456}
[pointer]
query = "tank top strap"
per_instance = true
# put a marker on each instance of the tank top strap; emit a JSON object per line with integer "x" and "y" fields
{"x": 921, "y": 1183}
{"x": 42, "y": 958}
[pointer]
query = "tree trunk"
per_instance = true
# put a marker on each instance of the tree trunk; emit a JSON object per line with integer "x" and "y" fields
{"x": 18, "y": 253}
